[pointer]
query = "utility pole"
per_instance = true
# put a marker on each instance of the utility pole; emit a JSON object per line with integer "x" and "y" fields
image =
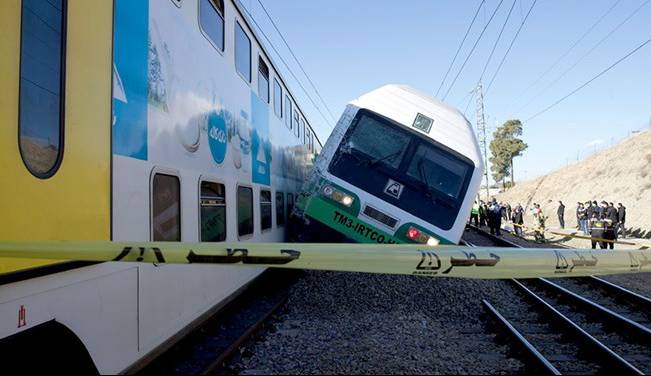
{"x": 481, "y": 131}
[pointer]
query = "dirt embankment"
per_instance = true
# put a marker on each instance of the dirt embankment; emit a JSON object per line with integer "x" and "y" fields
{"x": 621, "y": 173}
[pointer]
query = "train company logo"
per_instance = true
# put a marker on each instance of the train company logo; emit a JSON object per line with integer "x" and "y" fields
{"x": 217, "y": 136}
{"x": 394, "y": 189}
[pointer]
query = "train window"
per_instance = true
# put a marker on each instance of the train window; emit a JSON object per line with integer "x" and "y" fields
{"x": 278, "y": 99}
{"x": 288, "y": 112}
{"x": 244, "y": 211}
{"x": 297, "y": 131}
{"x": 42, "y": 84}
{"x": 438, "y": 170}
{"x": 242, "y": 52}
{"x": 378, "y": 140}
{"x": 265, "y": 209}
{"x": 290, "y": 204}
{"x": 211, "y": 21}
{"x": 280, "y": 208}
{"x": 303, "y": 131}
{"x": 166, "y": 208}
{"x": 263, "y": 80}
{"x": 212, "y": 206}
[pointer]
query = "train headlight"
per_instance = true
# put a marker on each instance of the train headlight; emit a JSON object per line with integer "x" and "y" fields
{"x": 420, "y": 237}
{"x": 337, "y": 195}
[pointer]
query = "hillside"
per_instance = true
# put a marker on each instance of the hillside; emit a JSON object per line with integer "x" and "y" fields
{"x": 621, "y": 173}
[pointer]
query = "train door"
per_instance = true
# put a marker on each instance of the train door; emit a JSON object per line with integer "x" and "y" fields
{"x": 55, "y": 127}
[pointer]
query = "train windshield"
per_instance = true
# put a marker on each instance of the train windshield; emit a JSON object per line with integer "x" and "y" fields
{"x": 432, "y": 178}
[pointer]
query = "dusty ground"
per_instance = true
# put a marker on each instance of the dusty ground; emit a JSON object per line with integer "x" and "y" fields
{"x": 619, "y": 174}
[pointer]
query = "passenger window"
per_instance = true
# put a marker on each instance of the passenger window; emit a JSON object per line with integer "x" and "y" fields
{"x": 244, "y": 211}
{"x": 211, "y": 20}
{"x": 278, "y": 99}
{"x": 213, "y": 212}
{"x": 288, "y": 112}
{"x": 242, "y": 52}
{"x": 290, "y": 204}
{"x": 263, "y": 80}
{"x": 303, "y": 131}
{"x": 280, "y": 208}
{"x": 166, "y": 208}
{"x": 42, "y": 63}
{"x": 297, "y": 131}
{"x": 265, "y": 209}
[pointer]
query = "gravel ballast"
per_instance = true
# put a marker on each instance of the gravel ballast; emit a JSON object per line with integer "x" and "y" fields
{"x": 357, "y": 323}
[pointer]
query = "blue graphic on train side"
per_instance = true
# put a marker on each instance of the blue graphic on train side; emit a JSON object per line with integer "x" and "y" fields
{"x": 217, "y": 136}
{"x": 260, "y": 142}
{"x": 130, "y": 73}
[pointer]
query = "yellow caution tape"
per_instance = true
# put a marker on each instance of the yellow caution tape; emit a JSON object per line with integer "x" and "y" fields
{"x": 441, "y": 261}
{"x": 542, "y": 229}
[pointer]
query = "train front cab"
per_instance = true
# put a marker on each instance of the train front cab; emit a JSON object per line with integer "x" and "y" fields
{"x": 55, "y": 129}
{"x": 381, "y": 181}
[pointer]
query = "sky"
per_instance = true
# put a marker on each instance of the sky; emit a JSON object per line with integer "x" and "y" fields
{"x": 351, "y": 47}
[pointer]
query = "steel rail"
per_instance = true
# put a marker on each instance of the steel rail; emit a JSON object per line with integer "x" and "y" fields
{"x": 216, "y": 365}
{"x": 635, "y": 328}
{"x": 619, "y": 291}
{"x": 605, "y": 354}
{"x": 530, "y": 350}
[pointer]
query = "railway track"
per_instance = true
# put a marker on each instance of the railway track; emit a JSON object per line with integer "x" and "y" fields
{"x": 577, "y": 325}
{"x": 221, "y": 337}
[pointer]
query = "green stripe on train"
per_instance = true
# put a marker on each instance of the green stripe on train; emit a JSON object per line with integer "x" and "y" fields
{"x": 354, "y": 228}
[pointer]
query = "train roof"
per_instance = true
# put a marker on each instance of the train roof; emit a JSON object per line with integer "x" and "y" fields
{"x": 403, "y": 103}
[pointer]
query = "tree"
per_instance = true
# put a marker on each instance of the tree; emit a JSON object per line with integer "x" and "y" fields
{"x": 505, "y": 146}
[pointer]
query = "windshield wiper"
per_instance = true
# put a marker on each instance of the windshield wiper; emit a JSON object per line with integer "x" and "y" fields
{"x": 382, "y": 159}
{"x": 423, "y": 179}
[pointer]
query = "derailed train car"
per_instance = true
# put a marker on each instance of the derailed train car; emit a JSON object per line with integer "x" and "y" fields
{"x": 400, "y": 167}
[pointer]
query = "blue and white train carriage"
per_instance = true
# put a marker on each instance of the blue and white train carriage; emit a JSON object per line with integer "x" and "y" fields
{"x": 158, "y": 120}
{"x": 400, "y": 166}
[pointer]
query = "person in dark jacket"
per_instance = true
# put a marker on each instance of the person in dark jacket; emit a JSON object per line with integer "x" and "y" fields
{"x": 600, "y": 209}
{"x": 561, "y": 214}
{"x": 582, "y": 213}
{"x": 589, "y": 209}
{"x": 578, "y": 216}
{"x": 518, "y": 219}
{"x": 597, "y": 226}
{"x": 612, "y": 215}
{"x": 495, "y": 217}
{"x": 621, "y": 218}
{"x": 509, "y": 212}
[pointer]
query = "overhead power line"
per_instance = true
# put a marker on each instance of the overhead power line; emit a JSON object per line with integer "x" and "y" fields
{"x": 499, "y": 36}
{"x": 287, "y": 66}
{"x": 567, "y": 52}
{"x": 473, "y": 49}
{"x": 460, "y": 45}
{"x": 568, "y": 70}
{"x": 490, "y": 84}
{"x": 297, "y": 61}
{"x": 590, "y": 80}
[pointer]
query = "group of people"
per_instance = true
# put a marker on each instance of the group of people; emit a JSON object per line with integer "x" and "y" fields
{"x": 601, "y": 221}
{"x": 493, "y": 213}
